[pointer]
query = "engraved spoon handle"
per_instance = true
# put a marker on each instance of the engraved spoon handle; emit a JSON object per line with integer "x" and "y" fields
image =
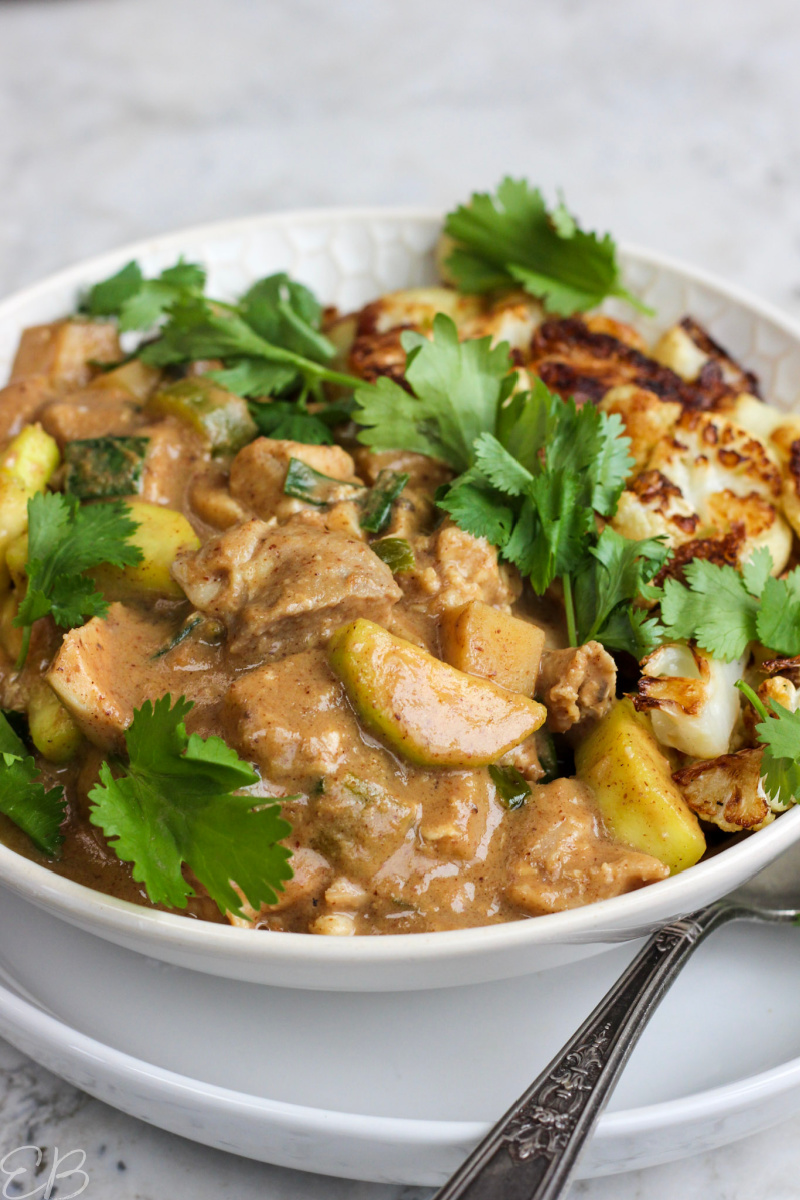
{"x": 532, "y": 1151}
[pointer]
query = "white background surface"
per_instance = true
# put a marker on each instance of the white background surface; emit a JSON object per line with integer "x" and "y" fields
{"x": 674, "y": 125}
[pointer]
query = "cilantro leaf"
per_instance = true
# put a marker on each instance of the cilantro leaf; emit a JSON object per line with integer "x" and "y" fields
{"x": 715, "y": 609}
{"x": 287, "y": 313}
{"x": 197, "y": 328}
{"x": 612, "y": 578}
{"x": 174, "y": 804}
{"x": 510, "y": 238}
{"x": 724, "y": 610}
{"x": 140, "y": 303}
{"x": 64, "y": 540}
{"x": 779, "y": 734}
{"x": 477, "y": 508}
{"x": 253, "y": 377}
{"x": 292, "y": 421}
{"x": 456, "y": 391}
{"x": 778, "y": 619}
{"x": 780, "y": 762}
{"x": 23, "y": 799}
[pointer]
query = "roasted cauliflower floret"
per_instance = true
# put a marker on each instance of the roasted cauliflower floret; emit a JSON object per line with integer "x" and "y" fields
{"x": 710, "y": 477}
{"x": 692, "y": 699}
{"x": 727, "y": 791}
{"x": 652, "y": 506}
{"x": 690, "y": 352}
{"x": 646, "y": 417}
{"x": 513, "y": 319}
{"x": 376, "y": 348}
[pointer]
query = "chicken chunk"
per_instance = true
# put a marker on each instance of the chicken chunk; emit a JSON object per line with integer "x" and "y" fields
{"x": 21, "y": 402}
{"x": 106, "y": 668}
{"x": 282, "y": 589}
{"x": 64, "y": 350}
{"x": 258, "y": 475}
{"x": 453, "y": 567}
{"x": 576, "y": 684}
{"x": 560, "y": 857}
{"x": 292, "y": 719}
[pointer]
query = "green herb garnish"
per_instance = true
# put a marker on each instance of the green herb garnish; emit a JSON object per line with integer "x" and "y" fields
{"x": 23, "y": 799}
{"x": 723, "y": 610}
{"x": 512, "y": 787}
{"x": 376, "y": 511}
{"x": 510, "y": 239}
{"x": 779, "y": 733}
{"x": 304, "y": 483}
{"x": 396, "y": 553}
{"x": 64, "y": 540}
{"x": 173, "y": 803}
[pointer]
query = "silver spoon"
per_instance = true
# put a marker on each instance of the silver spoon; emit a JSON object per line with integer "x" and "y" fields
{"x": 532, "y": 1151}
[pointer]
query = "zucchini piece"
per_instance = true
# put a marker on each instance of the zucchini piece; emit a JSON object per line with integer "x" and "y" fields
{"x": 17, "y": 559}
{"x": 160, "y": 534}
{"x": 11, "y": 635}
{"x": 512, "y": 787}
{"x": 134, "y": 377}
{"x": 396, "y": 553}
{"x": 304, "y": 483}
{"x": 26, "y": 465}
{"x": 379, "y": 500}
{"x": 53, "y": 731}
{"x": 221, "y": 417}
{"x": 639, "y": 801}
{"x": 32, "y": 457}
{"x": 105, "y": 466}
{"x": 427, "y": 711}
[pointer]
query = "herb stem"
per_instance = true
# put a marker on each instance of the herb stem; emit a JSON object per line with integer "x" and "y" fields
{"x": 569, "y": 607}
{"x": 23, "y": 654}
{"x": 756, "y": 702}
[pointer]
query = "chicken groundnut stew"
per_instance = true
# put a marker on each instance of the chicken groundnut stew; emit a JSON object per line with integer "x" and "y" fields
{"x": 466, "y": 607}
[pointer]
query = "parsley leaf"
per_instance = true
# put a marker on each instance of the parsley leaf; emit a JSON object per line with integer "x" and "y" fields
{"x": 173, "y": 804}
{"x": 64, "y": 540}
{"x": 456, "y": 391}
{"x": 23, "y": 799}
{"x": 724, "y": 610}
{"x": 510, "y": 238}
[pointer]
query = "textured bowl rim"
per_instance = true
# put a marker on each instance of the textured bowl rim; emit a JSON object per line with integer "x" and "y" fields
{"x": 632, "y": 911}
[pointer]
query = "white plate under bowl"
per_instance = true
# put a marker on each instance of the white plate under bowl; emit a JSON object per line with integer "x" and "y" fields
{"x": 398, "y": 1087}
{"x": 349, "y": 257}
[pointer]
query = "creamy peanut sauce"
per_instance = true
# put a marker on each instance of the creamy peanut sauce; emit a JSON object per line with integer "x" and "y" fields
{"x": 379, "y": 845}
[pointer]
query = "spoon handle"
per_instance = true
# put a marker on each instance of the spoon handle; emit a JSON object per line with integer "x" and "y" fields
{"x": 531, "y": 1152}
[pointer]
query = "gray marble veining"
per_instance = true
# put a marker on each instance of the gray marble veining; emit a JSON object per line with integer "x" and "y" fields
{"x": 675, "y": 125}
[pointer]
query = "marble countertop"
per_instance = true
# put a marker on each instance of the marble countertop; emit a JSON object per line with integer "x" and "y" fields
{"x": 674, "y": 125}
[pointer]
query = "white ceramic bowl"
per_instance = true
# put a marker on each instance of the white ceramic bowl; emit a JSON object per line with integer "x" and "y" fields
{"x": 349, "y": 257}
